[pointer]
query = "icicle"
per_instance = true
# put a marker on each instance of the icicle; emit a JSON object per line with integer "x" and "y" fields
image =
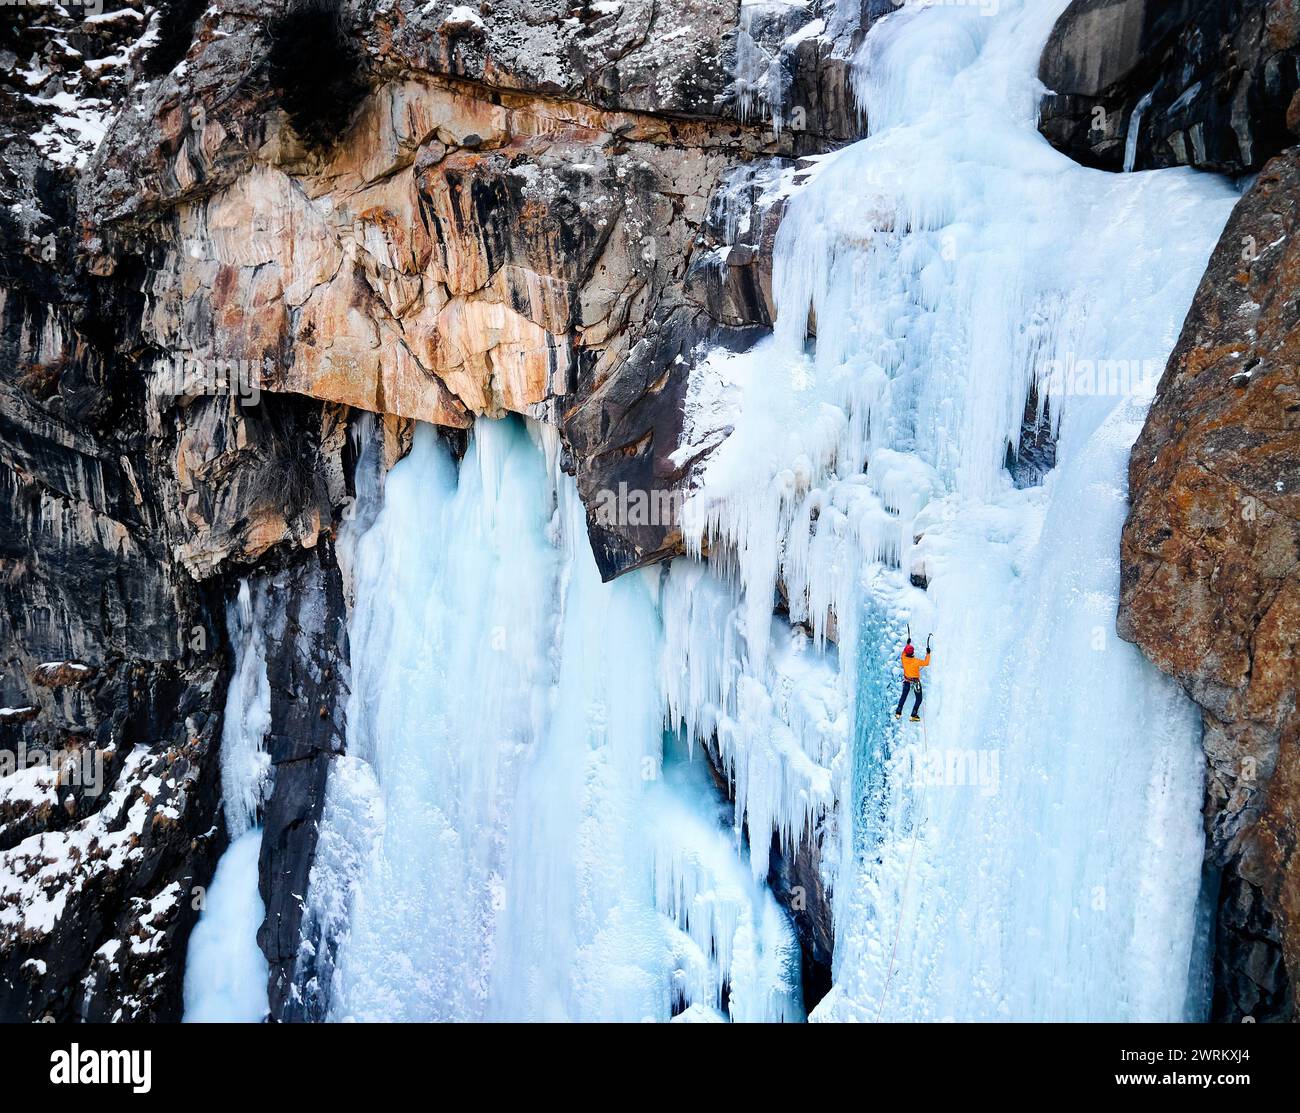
{"x": 1135, "y": 131}
{"x": 498, "y": 839}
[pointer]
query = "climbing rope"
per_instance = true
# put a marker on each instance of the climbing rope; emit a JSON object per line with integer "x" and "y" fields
{"x": 902, "y": 904}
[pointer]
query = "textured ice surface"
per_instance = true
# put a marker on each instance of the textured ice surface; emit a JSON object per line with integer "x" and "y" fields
{"x": 946, "y": 263}
{"x": 525, "y": 856}
{"x": 245, "y": 764}
{"x": 225, "y": 970}
{"x": 514, "y": 835}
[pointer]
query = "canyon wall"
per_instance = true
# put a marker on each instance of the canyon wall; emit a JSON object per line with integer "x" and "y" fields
{"x": 229, "y": 229}
{"x": 1211, "y": 577}
{"x": 1184, "y": 83}
{"x": 1210, "y": 556}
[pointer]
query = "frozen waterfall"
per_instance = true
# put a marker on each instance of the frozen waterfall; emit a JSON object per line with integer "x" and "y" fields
{"x": 514, "y": 843}
{"x": 225, "y": 970}
{"x": 524, "y": 826}
{"x": 953, "y": 266}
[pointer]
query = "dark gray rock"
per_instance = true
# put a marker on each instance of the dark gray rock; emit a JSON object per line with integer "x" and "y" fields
{"x": 666, "y": 57}
{"x": 794, "y": 68}
{"x": 1034, "y": 454}
{"x": 625, "y": 432}
{"x": 730, "y": 274}
{"x": 109, "y": 659}
{"x": 98, "y": 903}
{"x": 1250, "y": 977}
{"x": 1216, "y": 82}
{"x": 307, "y": 666}
{"x": 795, "y": 879}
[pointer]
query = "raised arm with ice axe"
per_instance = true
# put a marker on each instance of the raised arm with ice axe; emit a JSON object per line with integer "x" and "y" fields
{"x": 912, "y": 667}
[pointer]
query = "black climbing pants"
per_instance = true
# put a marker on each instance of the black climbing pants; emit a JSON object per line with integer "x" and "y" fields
{"x": 907, "y": 687}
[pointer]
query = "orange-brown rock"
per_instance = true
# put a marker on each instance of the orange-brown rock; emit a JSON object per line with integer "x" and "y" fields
{"x": 1211, "y": 577}
{"x": 457, "y": 251}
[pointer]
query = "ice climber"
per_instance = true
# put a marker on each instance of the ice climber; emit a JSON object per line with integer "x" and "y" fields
{"x": 912, "y": 667}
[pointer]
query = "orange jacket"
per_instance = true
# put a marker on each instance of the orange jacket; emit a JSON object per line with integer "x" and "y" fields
{"x": 912, "y": 666}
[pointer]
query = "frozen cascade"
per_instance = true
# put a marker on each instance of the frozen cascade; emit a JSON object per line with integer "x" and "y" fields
{"x": 245, "y": 763}
{"x": 781, "y": 734}
{"x": 504, "y": 839}
{"x": 225, "y": 970}
{"x": 765, "y": 29}
{"x": 951, "y": 261}
{"x": 513, "y": 833}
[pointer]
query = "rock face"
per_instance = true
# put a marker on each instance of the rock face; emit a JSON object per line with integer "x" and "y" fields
{"x": 307, "y": 668}
{"x": 661, "y": 58}
{"x": 425, "y": 211}
{"x": 457, "y": 253}
{"x": 1211, "y": 577}
{"x": 504, "y": 220}
{"x": 109, "y": 662}
{"x": 108, "y": 778}
{"x": 106, "y": 840}
{"x": 794, "y": 68}
{"x": 130, "y": 503}
{"x": 1187, "y": 82}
